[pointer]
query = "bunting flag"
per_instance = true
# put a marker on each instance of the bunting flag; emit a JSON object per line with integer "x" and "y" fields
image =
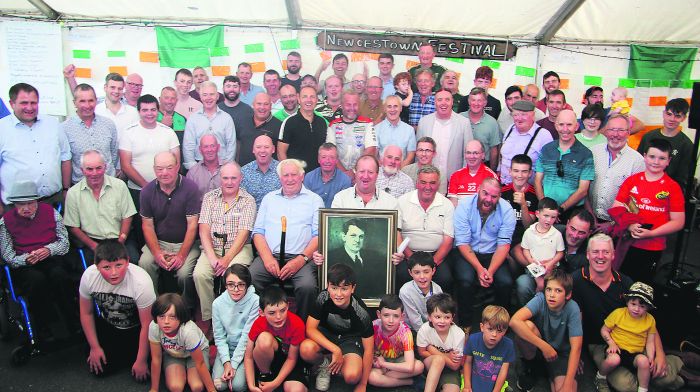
{"x": 188, "y": 49}
{"x": 660, "y": 63}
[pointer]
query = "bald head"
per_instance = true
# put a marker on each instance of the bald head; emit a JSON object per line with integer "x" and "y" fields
{"x": 566, "y": 115}
{"x": 165, "y": 158}
{"x": 262, "y": 106}
{"x": 263, "y": 148}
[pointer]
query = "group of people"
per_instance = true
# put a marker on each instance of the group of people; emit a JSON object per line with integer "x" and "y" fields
{"x": 214, "y": 197}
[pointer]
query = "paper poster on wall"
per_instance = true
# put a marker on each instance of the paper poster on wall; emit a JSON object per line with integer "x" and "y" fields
{"x": 35, "y": 56}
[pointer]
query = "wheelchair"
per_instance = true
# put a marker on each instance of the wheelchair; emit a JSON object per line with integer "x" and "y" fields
{"x": 15, "y": 318}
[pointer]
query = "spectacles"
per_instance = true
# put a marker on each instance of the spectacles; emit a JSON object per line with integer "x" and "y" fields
{"x": 425, "y": 150}
{"x": 134, "y": 84}
{"x": 560, "y": 168}
{"x": 617, "y": 130}
{"x": 359, "y": 81}
{"x": 235, "y": 286}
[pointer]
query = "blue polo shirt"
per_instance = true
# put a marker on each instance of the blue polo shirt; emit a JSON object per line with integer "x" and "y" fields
{"x": 497, "y": 230}
{"x": 327, "y": 190}
{"x": 578, "y": 165}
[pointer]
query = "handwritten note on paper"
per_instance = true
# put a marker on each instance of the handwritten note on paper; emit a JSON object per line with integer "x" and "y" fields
{"x": 35, "y": 56}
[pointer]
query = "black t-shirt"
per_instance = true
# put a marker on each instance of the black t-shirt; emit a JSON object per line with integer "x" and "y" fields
{"x": 404, "y": 109}
{"x": 304, "y": 138}
{"x": 596, "y": 304}
{"x": 530, "y": 199}
{"x": 241, "y": 114}
{"x": 493, "y": 106}
{"x": 353, "y": 321}
{"x": 681, "y": 154}
{"x": 295, "y": 83}
{"x": 249, "y": 132}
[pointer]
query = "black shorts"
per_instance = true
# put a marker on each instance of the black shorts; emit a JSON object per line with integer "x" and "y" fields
{"x": 347, "y": 344}
{"x": 297, "y": 373}
{"x": 627, "y": 360}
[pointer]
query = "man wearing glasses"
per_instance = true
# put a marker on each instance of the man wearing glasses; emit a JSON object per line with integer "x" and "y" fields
{"x": 614, "y": 162}
{"x": 425, "y": 151}
{"x": 565, "y": 167}
{"x": 682, "y": 148}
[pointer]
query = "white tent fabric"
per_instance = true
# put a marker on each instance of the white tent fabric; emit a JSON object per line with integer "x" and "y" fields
{"x": 594, "y": 21}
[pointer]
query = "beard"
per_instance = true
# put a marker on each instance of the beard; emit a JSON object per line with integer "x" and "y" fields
{"x": 390, "y": 170}
{"x": 232, "y": 96}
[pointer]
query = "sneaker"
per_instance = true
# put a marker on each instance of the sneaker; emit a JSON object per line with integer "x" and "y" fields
{"x": 266, "y": 377}
{"x": 601, "y": 384}
{"x": 323, "y": 378}
{"x": 526, "y": 378}
{"x": 219, "y": 384}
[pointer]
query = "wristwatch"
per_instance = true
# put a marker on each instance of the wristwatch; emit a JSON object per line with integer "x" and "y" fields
{"x": 305, "y": 257}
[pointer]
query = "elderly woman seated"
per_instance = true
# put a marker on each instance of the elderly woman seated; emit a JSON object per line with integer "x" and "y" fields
{"x": 33, "y": 241}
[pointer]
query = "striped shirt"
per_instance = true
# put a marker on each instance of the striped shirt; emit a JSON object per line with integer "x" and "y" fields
{"x": 223, "y": 218}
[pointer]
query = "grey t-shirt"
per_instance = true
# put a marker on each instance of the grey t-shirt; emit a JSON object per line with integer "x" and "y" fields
{"x": 188, "y": 338}
{"x": 556, "y": 327}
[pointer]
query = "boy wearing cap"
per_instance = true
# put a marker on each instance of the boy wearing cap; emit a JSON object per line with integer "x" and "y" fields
{"x": 629, "y": 333}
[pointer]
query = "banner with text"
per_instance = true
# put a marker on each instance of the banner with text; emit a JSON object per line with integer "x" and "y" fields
{"x": 409, "y": 45}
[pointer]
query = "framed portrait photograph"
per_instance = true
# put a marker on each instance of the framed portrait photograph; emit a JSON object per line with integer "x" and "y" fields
{"x": 364, "y": 240}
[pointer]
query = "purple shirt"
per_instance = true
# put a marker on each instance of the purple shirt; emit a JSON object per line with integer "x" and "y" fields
{"x": 170, "y": 212}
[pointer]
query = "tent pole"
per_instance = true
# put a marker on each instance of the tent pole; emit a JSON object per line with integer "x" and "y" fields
{"x": 45, "y": 9}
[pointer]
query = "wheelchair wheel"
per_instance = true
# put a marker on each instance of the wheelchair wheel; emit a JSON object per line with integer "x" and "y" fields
{"x": 5, "y": 326}
{"x": 19, "y": 356}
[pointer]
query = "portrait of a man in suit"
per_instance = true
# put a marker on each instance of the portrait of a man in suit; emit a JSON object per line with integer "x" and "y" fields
{"x": 369, "y": 264}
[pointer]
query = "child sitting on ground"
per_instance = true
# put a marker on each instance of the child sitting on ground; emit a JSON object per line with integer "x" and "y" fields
{"x": 340, "y": 334}
{"x": 272, "y": 352}
{"x": 543, "y": 248}
{"x": 551, "y": 324}
{"x": 178, "y": 346}
{"x": 415, "y": 293}
{"x": 394, "y": 361}
{"x": 441, "y": 343}
{"x": 233, "y": 313}
{"x": 629, "y": 333}
{"x": 489, "y": 353}
{"x": 123, "y": 294}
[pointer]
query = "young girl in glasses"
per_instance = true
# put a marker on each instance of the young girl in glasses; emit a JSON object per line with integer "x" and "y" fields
{"x": 233, "y": 313}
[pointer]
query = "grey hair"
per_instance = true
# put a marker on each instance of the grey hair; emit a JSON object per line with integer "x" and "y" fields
{"x": 601, "y": 237}
{"x": 428, "y": 169}
{"x": 299, "y": 165}
{"x": 89, "y": 152}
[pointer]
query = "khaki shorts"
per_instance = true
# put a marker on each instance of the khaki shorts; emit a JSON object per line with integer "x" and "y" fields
{"x": 188, "y": 362}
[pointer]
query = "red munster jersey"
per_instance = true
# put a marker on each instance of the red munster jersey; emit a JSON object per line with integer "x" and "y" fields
{"x": 656, "y": 200}
{"x": 462, "y": 183}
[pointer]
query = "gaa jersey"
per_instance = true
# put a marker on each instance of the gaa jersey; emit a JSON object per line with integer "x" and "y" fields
{"x": 655, "y": 200}
{"x": 351, "y": 138}
{"x": 463, "y": 184}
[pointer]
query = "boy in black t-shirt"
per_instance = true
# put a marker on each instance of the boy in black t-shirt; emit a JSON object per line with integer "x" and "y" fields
{"x": 339, "y": 324}
{"x": 522, "y": 197}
